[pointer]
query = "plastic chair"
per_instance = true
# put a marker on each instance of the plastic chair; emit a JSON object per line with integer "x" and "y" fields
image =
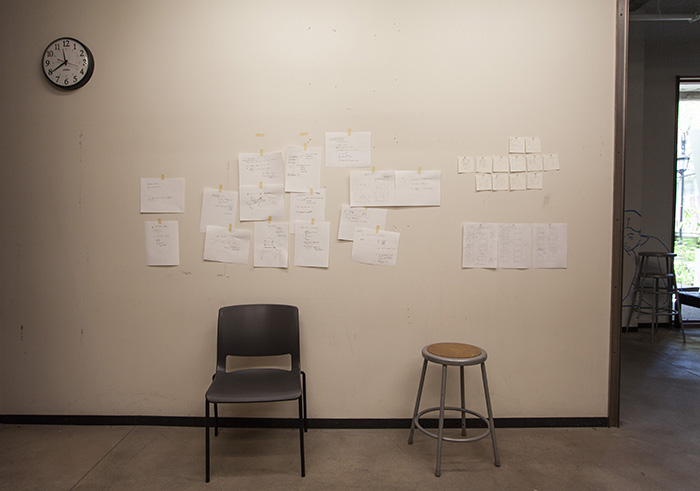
{"x": 254, "y": 331}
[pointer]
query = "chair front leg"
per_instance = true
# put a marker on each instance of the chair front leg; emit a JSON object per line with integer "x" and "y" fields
{"x": 206, "y": 439}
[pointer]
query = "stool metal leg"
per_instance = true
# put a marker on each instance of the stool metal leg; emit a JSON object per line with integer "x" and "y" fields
{"x": 441, "y": 421}
{"x": 496, "y": 458}
{"x": 415, "y": 411}
{"x": 464, "y": 406}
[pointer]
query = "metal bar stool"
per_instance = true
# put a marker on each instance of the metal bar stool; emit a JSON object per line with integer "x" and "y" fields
{"x": 656, "y": 283}
{"x": 461, "y": 355}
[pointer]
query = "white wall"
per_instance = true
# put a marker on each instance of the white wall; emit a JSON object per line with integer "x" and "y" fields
{"x": 181, "y": 87}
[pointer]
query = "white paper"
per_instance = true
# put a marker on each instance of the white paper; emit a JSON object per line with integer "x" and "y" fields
{"x": 534, "y": 162}
{"x": 226, "y": 247}
{"x": 270, "y": 245}
{"x": 218, "y": 208}
{"x": 518, "y": 181}
{"x": 516, "y": 144}
{"x": 466, "y": 164}
{"x": 518, "y": 162}
{"x": 262, "y": 203}
{"x": 514, "y": 245}
{"x": 415, "y": 188}
{"x": 483, "y": 182}
{"x": 254, "y": 168}
{"x": 351, "y": 218}
{"x": 306, "y": 206}
{"x": 533, "y": 144}
{"x": 501, "y": 182}
{"x": 303, "y": 168}
{"x": 162, "y": 195}
{"x": 484, "y": 163}
{"x": 549, "y": 245}
{"x": 375, "y": 247}
{"x": 162, "y": 243}
{"x": 500, "y": 163}
{"x": 550, "y": 161}
{"x": 312, "y": 244}
{"x": 372, "y": 189}
{"x": 480, "y": 245}
{"x": 534, "y": 180}
{"x": 349, "y": 150}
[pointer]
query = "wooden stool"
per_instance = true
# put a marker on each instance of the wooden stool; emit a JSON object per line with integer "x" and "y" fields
{"x": 461, "y": 355}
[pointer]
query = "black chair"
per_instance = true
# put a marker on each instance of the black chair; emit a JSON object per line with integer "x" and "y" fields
{"x": 257, "y": 330}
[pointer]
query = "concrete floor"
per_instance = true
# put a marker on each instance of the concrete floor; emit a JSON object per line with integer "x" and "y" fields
{"x": 656, "y": 447}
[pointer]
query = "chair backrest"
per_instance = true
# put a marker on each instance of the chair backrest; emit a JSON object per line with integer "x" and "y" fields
{"x": 258, "y": 330}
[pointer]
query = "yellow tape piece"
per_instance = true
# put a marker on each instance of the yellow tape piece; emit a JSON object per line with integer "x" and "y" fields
{"x": 261, "y": 152}
{"x": 269, "y": 219}
{"x": 162, "y": 177}
{"x": 419, "y": 169}
{"x": 305, "y": 147}
{"x": 221, "y": 187}
{"x": 159, "y": 222}
{"x": 259, "y": 134}
{"x": 304, "y": 133}
{"x": 377, "y": 230}
{"x": 260, "y": 185}
{"x": 311, "y": 191}
{"x": 373, "y": 169}
{"x": 230, "y": 227}
{"x": 312, "y": 221}
{"x": 349, "y": 131}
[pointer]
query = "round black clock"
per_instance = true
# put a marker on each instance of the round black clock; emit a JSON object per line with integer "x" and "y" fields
{"x": 67, "y": 63}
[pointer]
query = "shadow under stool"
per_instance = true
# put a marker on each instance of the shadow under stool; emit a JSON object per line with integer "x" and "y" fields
{"x": 461, "y": 355}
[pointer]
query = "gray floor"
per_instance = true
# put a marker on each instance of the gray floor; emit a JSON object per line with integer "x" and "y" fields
{"x": 656, "y": 447}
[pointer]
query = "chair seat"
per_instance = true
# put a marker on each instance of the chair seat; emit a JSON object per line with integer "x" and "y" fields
{"x": 454, "y": 354}
{"x": 254, "y": 385}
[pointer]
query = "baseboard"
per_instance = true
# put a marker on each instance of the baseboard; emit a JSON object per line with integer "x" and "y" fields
{"x": 321, "y": 423}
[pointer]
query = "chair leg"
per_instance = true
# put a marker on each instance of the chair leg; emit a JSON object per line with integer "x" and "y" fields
{"x": 496, "y": 458}
{"x": 464, "y": 406}
{"x": 441, "y": 421}
{"x": 303, "y": 393}
{"x": 206, "y": 439}
{"x": 216, "y": 419}
{"x": 415, "y": 410}
{"x": 301, "y": 437}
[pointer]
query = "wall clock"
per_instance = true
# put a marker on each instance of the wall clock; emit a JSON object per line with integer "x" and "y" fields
{"x": 67, "y": 63}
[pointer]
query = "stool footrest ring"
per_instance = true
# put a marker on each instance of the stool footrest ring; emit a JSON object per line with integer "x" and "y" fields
{"x": 453, "y": 408}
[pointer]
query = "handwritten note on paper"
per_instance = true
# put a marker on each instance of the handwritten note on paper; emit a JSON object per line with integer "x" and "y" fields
{"x": 415, "y": 188}
{"x": 501, "y": 182}
{"x": 218, "y": 208}
{"x": 349, "y": 149}
{"x": 260, "y": 203}
{"x": 534, "y": 180}
{"x": 515, "y": 245}
{"x": 375, "y": 247}
{"x": 518, "y": 181}
{"x": 500, "y": 163}
{"x": 226, "y": 247}
{"x": 254, "y": 168}
{"x": 480, "y": 245}
{"x": 533, "y": 144}
{"x": 550, "y": 161}
{"x": 306, "y": 206}
{"x": 518, "y": 162}
{"x": 303, "y": 169}
{"x": 270, "y": 245}
{"x": 534, "y": 162}
{"x": 372, "y": 188}
{"x": 311, "y": 244}
{"x": 166, "y": 195}
{"x": 484, "y": 163}
{"x": 549, "y": 245}
{"x": 483, "y": 182}
{"x": 516, "y": 144}
{"x": 162, "y": 243}
{"x": 351, "y": 218}
{"x": 466, "y": 164}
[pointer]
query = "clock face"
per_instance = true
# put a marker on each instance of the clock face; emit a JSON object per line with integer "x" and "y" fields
{"x": 67, "y": 63}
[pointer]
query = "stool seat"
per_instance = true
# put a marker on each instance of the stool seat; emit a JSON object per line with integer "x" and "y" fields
{"x": 454, "y": 354}
{"x": 461, "y": 355}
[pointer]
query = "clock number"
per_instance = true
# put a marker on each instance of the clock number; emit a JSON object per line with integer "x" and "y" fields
{"x": 49, "y": 54}
{"x": 82, "y": 53}
{"x": 66, "y": 43}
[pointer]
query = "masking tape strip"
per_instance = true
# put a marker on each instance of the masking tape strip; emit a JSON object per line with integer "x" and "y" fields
{"x": 260, "y": 185}
{"x": 160, "y": 222}
{"x": 221, "y": 187}
{"x": 261, "y": 152}
{"x": 162, "y": 177}
{"x": 377, "y": 230}
{"x": 269, "y": 219}
{"x": 259, "y": 134}
{"x": 304, "y": 133}
{"x": 230, "y": 227}
{"x": 349, "y": 131}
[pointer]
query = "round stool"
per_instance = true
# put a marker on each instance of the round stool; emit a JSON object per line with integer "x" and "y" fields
{"x": 461, "y": 355}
